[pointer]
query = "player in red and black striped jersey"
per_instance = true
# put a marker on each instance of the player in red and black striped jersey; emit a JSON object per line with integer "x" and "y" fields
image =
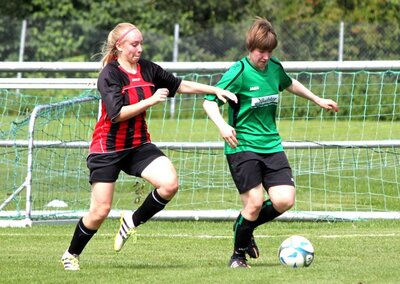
{"x": 129, "y": 86}
{"x": 118, "y": 88}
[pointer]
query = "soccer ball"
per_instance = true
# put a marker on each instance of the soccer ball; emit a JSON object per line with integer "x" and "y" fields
{"x": 296, "y": 251}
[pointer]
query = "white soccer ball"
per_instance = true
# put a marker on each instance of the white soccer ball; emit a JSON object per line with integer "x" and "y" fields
{"x": 296, "y": 251}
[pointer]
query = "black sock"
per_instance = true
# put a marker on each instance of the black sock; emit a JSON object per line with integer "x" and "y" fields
{"x": 151, "y": 205}
{"x": 243, "y": 229}
{"x": 267, "y": 213}
{"x": 81, "y": 237}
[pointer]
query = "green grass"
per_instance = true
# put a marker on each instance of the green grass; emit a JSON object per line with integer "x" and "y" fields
{"x": 198, "y": 252}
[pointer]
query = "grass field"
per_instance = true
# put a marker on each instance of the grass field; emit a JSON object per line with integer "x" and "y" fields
{"x": 198, "y": 252}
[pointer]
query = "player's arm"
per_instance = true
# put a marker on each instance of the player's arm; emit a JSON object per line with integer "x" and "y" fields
{"x": 300, "y": 90}
{"x": 227, "y": 132}
{"x": 132, "y": 110}
{"x": 189, "y": 87}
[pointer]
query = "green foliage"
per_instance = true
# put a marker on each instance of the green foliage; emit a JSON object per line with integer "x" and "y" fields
{"x": 61, "y": 30}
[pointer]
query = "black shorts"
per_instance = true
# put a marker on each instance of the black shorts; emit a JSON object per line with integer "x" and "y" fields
{"x": 105, "y": 167}
{"x": 249, "y": 169}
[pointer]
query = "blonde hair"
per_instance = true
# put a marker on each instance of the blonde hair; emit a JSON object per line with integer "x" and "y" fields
{"x": 261, "y": 36}
{"x": 109, "y": 50}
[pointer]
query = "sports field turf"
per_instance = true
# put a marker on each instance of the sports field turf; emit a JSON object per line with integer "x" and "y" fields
{"x": 198, "y": 252}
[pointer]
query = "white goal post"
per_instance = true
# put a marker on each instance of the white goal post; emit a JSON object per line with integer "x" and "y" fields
{"x": 32, "y": 143}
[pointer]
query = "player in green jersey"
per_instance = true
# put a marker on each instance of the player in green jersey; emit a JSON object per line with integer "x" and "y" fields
{"x": 253, "y": 145}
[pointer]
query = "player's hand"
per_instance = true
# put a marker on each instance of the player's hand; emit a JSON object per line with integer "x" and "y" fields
{"x": 328, "y": 104}
{"x": 228, "y": 133}
{"x": 159, "y": 96}
{"x": 223, "y": 95}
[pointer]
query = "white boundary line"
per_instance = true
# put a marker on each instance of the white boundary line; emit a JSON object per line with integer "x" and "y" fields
{"x": 202, "y": 236}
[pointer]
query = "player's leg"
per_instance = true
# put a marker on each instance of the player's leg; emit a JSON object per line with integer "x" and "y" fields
{"x": 100, "y": 206}
{"x": 162, "y": 175}
{"x": 244, "y": 224}
{"x": 253, "y": 210}
{"x": 279, "y": 182}
{"x": 281, "y": 199}
{"x": 247, "y": 175}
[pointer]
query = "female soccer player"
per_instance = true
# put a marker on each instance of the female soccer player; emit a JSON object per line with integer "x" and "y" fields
{"x": 128, "y": 85}
{"x": 253, "y": 147}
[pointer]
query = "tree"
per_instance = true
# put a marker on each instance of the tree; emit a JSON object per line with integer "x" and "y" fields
{"x": 210, "y": 30}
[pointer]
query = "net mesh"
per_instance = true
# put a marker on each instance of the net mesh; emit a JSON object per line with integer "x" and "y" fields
{"x": 346, "y": 177}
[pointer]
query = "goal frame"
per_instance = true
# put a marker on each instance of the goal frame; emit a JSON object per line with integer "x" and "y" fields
{"x": 177, "y": 67}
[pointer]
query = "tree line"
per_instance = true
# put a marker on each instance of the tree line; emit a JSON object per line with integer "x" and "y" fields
{"x": 74, "y": 30}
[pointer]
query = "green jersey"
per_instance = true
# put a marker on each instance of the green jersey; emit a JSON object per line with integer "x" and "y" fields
{"x": 253, "y": 117}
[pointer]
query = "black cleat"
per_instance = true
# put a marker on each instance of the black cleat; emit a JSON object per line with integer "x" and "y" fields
{"x": 238, "y": 263}
{"x": 252, "y": 249}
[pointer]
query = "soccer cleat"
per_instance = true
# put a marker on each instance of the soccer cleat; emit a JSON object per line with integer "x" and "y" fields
{"x": 124, "y": 233}
{"x": 252, "y": 249}
{"x": 70, "y": 261}
{"x": 238, "y": 263}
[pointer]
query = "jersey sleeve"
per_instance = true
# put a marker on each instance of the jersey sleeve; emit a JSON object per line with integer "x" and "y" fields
{"x": 160, "y": 77}
{"x": 110, "y": 87}
{"x": 230, "y": 80}
{"x": 284, "y": 79}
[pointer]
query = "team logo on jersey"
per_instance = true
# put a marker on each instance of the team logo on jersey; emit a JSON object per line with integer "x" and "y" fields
{"x": 255, "y": 88}
{"x": 135, "y": 79}
{"x": 265, "y": 101}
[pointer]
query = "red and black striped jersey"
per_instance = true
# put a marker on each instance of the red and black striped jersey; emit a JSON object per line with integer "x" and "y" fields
{"x": 119, "y": 88}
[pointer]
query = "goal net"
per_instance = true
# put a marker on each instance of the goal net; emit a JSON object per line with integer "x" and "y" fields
{"x": 345, "y": 164}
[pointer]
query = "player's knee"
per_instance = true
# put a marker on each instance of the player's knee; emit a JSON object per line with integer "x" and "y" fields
{"x": 284, "y": 204}
{"x": 252, "y": 210}
{"x": 169, "y": 189}
{"x": 100, "y": 213}
{"x": 289, "y": 203}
